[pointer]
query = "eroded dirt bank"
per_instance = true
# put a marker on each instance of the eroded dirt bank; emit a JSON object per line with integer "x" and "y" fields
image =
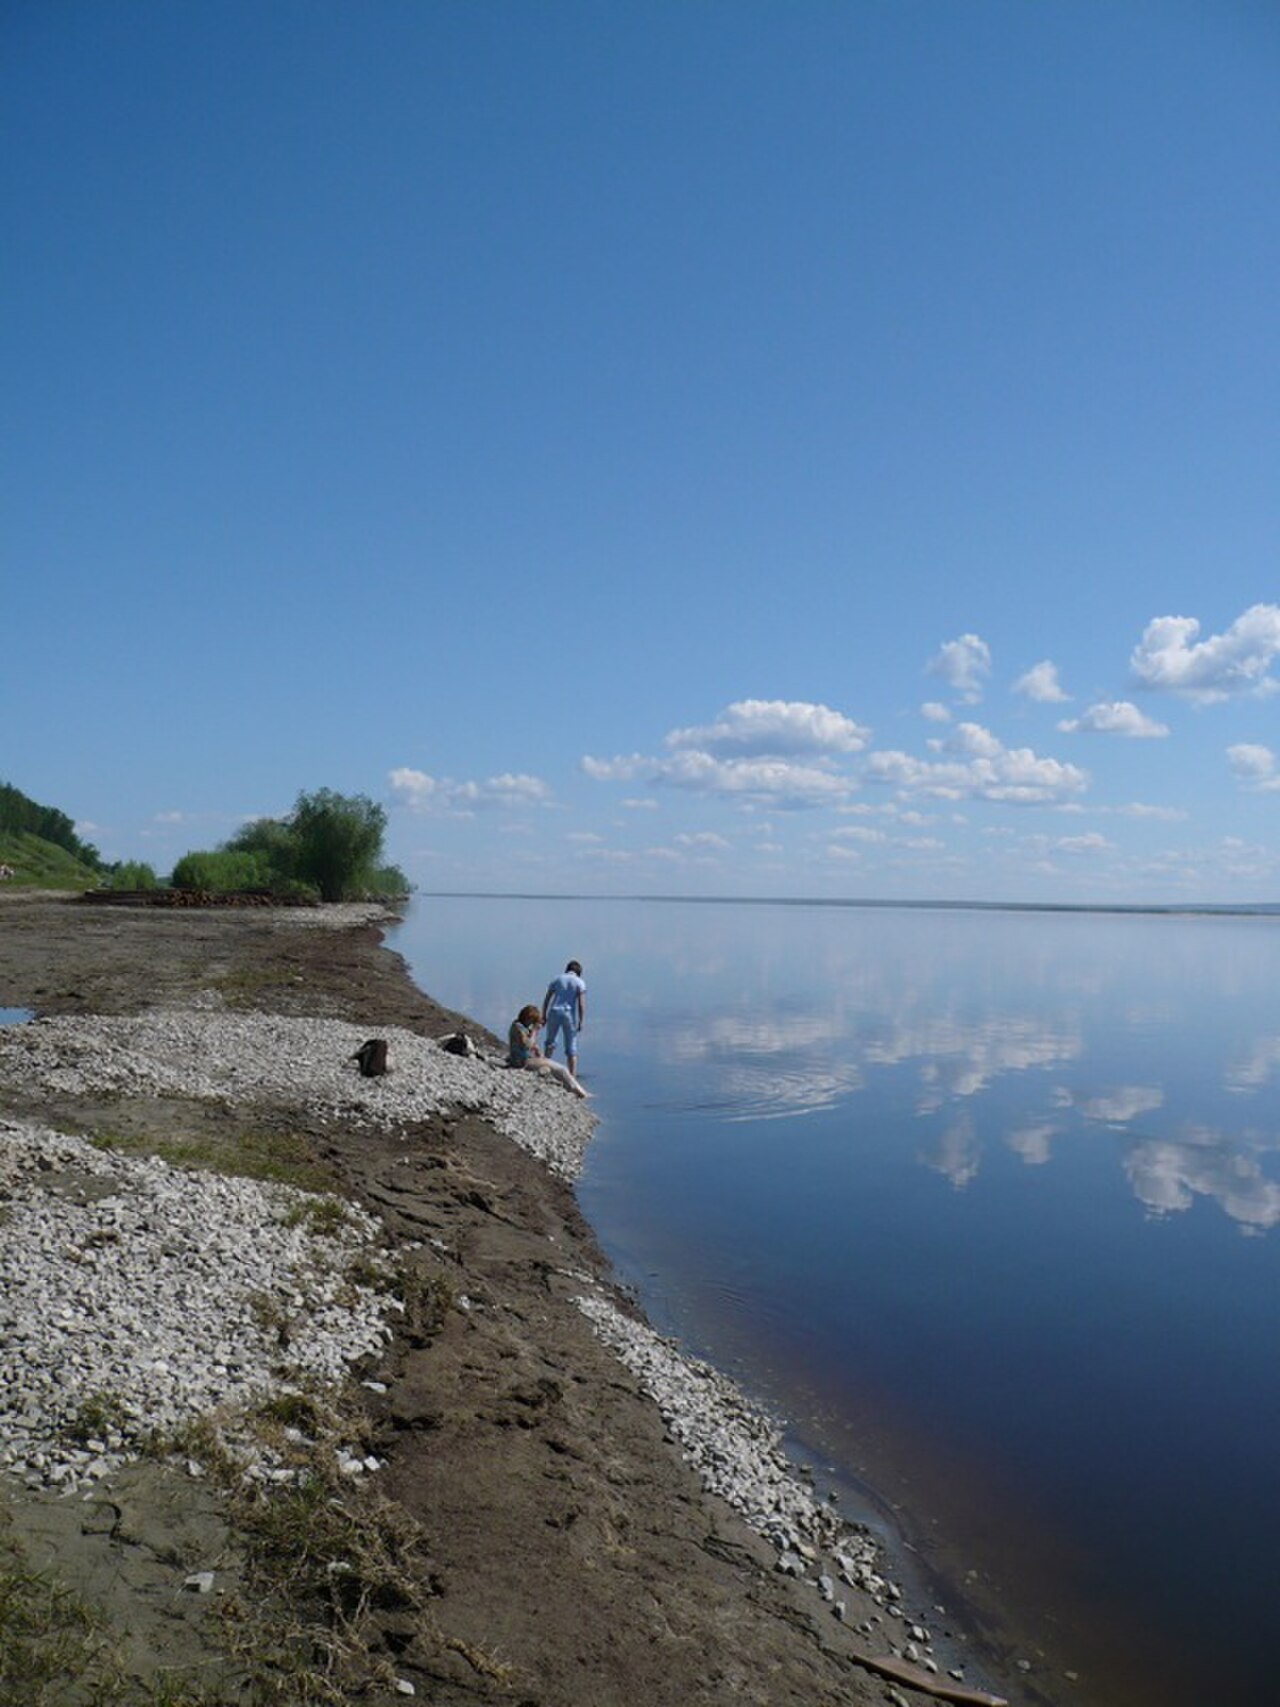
{"x": 569, "y": 1558}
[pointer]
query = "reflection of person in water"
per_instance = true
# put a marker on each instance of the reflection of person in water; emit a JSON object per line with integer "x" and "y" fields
{"x": 523, "y": 1051}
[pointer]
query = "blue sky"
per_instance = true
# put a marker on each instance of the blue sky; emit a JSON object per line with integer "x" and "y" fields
{"x": 799, "y": 449}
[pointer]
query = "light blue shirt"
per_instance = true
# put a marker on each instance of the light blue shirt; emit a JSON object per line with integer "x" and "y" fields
{"x": 564, "y": 992}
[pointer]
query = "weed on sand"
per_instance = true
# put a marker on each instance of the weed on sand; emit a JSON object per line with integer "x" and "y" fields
{"x": 47, "y": 1637}
{"x": 330, "y": 1560}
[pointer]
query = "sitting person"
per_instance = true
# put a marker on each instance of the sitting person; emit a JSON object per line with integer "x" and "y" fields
{"x": 523, "y": 1051}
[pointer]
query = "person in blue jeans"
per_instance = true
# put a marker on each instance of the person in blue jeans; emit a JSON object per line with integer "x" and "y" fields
{"x": 564, "y": 1009}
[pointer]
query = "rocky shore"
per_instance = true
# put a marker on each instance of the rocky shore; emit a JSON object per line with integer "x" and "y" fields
{"x": 600, "y": 1519}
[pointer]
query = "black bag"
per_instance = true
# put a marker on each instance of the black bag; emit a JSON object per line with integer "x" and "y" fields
{"x": 372, "y": 1057}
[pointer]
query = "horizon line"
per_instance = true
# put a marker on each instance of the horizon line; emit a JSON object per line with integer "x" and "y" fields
{"x": 1241, "y": 909}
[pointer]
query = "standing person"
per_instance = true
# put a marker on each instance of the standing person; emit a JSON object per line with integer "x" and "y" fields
{"x": 564, "y": 1009}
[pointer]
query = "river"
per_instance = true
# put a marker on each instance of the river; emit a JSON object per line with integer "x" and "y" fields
{"x": 984, "y": 1204}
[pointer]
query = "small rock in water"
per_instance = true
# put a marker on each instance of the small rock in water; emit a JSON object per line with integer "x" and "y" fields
{"x": 200, "y": 1582}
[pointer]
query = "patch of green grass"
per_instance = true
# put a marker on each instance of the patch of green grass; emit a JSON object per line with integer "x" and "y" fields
{"x": 325, "y": 1217}
{"x": 286, "y": 1158}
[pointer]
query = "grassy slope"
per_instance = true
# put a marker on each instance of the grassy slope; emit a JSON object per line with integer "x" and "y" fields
{"x": 43, "y": 864}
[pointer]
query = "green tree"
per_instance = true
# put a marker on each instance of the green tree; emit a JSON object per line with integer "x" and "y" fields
{"x": 337, "y": 841}
{"x": 20, "y": 814}
{"x": 272, "y": 840}
{"x": 132, "y": 874}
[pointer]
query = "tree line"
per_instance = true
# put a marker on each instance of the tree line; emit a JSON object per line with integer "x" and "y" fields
{"x": 329, "y": 848}
{"x": 20, "y": 815}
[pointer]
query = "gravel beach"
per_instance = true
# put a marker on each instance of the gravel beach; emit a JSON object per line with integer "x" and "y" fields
{"x": 603, "y": 1519}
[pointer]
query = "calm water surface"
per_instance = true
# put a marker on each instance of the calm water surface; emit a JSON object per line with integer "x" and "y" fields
{"x": 985, "y": 1204}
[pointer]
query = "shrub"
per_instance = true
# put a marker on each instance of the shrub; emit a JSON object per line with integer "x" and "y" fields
{"x": 222, "y": 870}
{"x": 327, "y": 849}
{"x": 389, "y": 882}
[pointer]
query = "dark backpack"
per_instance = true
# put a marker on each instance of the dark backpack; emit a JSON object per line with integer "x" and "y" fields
{"x": 372, "y": 1057}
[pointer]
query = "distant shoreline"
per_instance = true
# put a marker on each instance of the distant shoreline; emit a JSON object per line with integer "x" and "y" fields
{"x": 1170, "y": 909}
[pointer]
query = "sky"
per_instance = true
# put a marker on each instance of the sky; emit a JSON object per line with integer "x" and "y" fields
{"x": 682, "y": 447}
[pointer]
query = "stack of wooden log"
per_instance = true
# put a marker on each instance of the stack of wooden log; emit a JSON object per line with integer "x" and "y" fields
{"x": 192, "y": 898}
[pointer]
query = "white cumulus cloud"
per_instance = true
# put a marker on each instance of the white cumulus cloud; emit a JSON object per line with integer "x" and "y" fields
{"x": 1041, "y": 683}
{"x": 1115, "y": 717}
{"x": 1254, "y": 767}
{"x": 1091, "y": 842}
{"x": 859, "y": 833}
{"x": 1139, "y": 809}
{"x": 763, "y": 752}
{"x": 984, "y": 769}
{"x": 1169, "y": 656}
{"x": 423, "y": 793}
{"x": 701, "y": 840}
{"x": 764, "y": 781}
{"x": 964, "y": 664}
{"x": 774, "y": 728}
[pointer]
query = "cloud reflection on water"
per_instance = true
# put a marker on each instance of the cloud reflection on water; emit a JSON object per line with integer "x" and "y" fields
{"x": 1167, "y": 1177}
{"x": 1254, "y": 1067}
{"x": 1034, "y": 1143}
{"x": 762, "y": 1065}
{"x": 956, "y": 1153}
{"x": 1116, "y": 1106}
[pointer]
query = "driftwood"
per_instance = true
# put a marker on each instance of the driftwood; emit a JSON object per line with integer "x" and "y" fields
{"x": 915, "y": 1677}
